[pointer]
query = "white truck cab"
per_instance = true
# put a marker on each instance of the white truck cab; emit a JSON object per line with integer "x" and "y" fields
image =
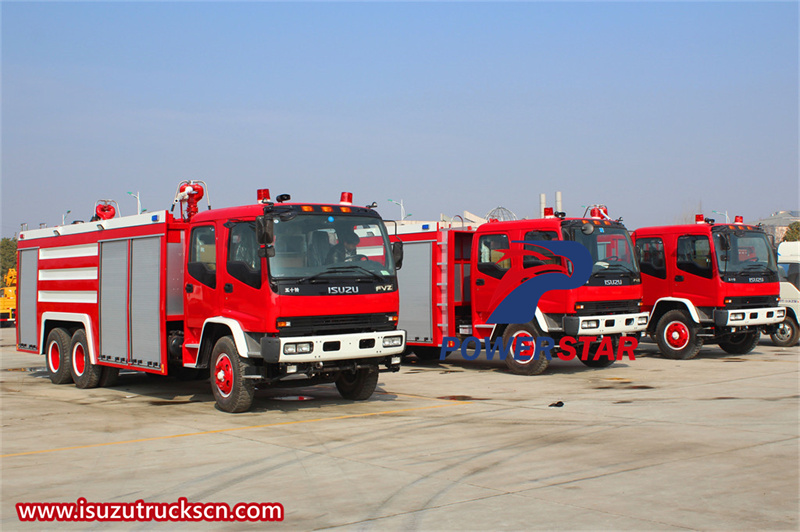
{"x": 787, "y": 333}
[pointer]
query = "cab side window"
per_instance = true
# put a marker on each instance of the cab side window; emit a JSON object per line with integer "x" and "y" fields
{"x": 651, "y": 257}
{"x": 694, "y": 255}
{"x": 202, "y": 255}
{"x": 529, "y": 261}
{"x": 491, "y": 249}
{"x": 244, "y": 264}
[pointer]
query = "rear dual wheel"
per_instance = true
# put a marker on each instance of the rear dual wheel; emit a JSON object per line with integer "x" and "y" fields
{"x": 84, "y": 373}
{"x": 57, "y": 356}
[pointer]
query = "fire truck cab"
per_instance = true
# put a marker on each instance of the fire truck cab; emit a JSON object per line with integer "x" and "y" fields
{"x": 267, "y": 293}
{"x": 708, "y": 282}
{"x": 454, "y": 277}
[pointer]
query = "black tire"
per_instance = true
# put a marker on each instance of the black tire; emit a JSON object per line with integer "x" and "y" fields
{"x": 787, "y": 333}
{"x": 358, "y": 385}
{"x": 84, "y": 373}
{"x": 740, "y": 343}
{"x": 426, "y": 353}
{"x": 526, "y": 366}
{"x": 676, "y": 336}
{"x": 182, "y": 373}
{"x": 109, "y": 377}
{"x": 57, "y": 356}
{"x": 232, "y": 391}
{"x": 603, "y": 361}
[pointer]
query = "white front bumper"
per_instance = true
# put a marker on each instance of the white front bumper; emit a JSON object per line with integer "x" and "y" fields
{"x": 606, "y": 324}
{"x": 749, "y": 316}
{"x": 342, "y": 347}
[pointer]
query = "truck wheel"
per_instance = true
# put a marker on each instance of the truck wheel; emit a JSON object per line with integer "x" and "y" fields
{"x": 676, "y": 336}
{"x": 740, "y": 343}
{"x": 57, "y": 356}
{"x": 426, "y": 353}
{"x": 603, "y": 361}
{"x": 232, "y": 391}
{"x": 109, "y": 377}
{"x": 527, "y": 365}
{"x": 787, "y": 333}
{"x": 357, "y": 385}
{"x": 84, "y": 373}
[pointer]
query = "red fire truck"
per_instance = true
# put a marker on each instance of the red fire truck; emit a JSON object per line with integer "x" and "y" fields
{"x": 708, "y": 282}
{"x": 267, "y": 293}
{"x": 454, "y": 277}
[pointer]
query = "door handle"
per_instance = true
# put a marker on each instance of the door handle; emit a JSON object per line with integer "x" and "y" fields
{"x": 479, "y": 282}
{"x": 228, "y": 288}
{"x": 189, "y": 288}
{"x": 679, "y": 278}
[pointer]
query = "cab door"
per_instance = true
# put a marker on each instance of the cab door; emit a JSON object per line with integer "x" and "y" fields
{"x": 487, "y": 272}
{"x": 694, "y": 275}
{"x": 201, "y": 299}
{"x": 241, "y": 277}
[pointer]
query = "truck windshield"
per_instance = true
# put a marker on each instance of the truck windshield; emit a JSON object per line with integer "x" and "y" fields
{"x": 611, "y": 249}
{"x": 744, "y": 252}
{"x": 312, "y": 247}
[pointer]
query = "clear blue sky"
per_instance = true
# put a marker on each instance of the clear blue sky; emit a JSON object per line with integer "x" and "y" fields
{"x": 651, "y": 108}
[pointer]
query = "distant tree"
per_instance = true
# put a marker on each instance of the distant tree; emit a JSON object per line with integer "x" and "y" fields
{"x": 793, "y": 233}
{"x": 8, "y": 256}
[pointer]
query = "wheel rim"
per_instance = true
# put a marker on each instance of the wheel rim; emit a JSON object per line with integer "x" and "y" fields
{"x": 54, "y": 356}
{"x": 784, "y": 332}
{"x": 79, "y": 359}
{"x": 526, "y": 351}
{"x": 223, "y": 375}
{"x": 677, "y": 335}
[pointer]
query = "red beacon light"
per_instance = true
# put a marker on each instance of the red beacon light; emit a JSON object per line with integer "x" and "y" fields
{"x": 104, "y": 210}
{"x": 598, "y": 212}
{"x": 548, "y": 212}
{"x": 346, "y": 199}
{"x": 699, "y": 219}
{"x": 263, "y": 195}
{"x": 738, "y": 220}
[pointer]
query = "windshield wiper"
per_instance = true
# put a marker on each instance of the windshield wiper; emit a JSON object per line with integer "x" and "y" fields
{"x": 338, "y": 269}
{"x": 614, "y": 268}
{"x": 750, "y": 268}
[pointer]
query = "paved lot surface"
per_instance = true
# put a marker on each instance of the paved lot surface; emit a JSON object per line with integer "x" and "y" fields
{"x": 710, "y": 443}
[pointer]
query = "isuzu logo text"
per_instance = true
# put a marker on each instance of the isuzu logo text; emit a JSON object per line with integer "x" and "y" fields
{"x": 342, "y": 289}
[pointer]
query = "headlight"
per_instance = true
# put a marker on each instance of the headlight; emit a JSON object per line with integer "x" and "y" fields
{"x": 298, "y": 348}
{"x": 590, "y": 324}
{"x": 737, "y": 316}
{"x": 392, "y": 341}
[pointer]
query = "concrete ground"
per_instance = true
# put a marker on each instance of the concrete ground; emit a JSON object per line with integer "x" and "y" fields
{"x": 710, "y": 443}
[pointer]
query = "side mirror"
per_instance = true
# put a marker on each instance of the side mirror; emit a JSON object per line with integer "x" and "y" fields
{"x": 587, "y": 229}
{"x": 265, "y": 232}
{"x": 266, "y": 251}
{"x": 397, "y": 254}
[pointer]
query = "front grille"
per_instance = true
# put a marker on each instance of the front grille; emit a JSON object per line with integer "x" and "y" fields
{"x": 341, "y": 324}
{"x": 751, "y": 302}
{"x": 592, "y": 308}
